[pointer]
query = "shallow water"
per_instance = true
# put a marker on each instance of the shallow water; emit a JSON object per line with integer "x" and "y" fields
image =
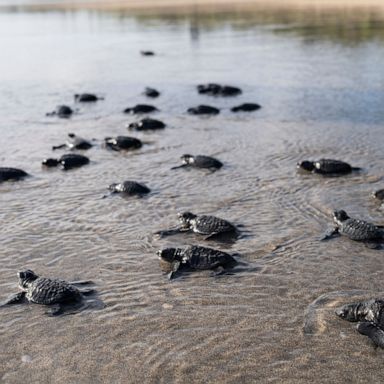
{"x": 322, "y": 95}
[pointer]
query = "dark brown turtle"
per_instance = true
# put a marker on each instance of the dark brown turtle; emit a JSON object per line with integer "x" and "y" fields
{"x": 67, "y": 161}
{"x": 122, "y": 143}
{"x": 200, "y": 161}
{"x": 151, "y": 92}
{"x": 327, "y": 167}
{"x": 87, "y": 97}
{"x": 14, "y": 174}
{"x": 196, "y": 258}
{"x": 214, "y": 89}
{"x": 203, "y": 110}
{"x": 74, "y": 142}
{"x": 62, "y": 111}
{"x": 129, "y": 188}
{"x": 146, "y": 124}
{"x": 141, "y": 108}
{"x": 246, "y": 107}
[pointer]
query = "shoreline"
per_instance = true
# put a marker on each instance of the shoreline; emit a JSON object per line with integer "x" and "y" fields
{"x": 182, "y": 6}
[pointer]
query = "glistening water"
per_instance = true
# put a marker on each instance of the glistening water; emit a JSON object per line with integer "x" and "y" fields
{"x": 319, "y": 79}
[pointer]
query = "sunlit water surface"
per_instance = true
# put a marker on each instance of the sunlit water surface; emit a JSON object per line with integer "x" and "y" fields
{"x": 322, "y": 92}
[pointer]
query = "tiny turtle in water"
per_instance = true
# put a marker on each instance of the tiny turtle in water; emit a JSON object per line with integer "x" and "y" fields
{"x": 141, "y": 108}
{"x": 11, "y": 174}
{"x": 129, "y": 188}
{"x": 379, "y": 195}
{"x": 67, "y": 161}
{"x": 200, "y": 161}
{"x": 151, "y": 92}
{"x": 358, "y": 230}
{"x": 74, "y": 142}
{"x": 120, "y": 143}
{"x": 246, "y": 107}
{"x": 213, "y": 89}
{"x": 326, "y": 167}
{"x": 42, "y": 290}
{"x": 87, "y": 98}
{"x": 203, "y": 110}
{"x": 147, "y": 53}
{"x": 205, "y": 225}
{"x": 196, "y": 257}
{"x": 369, "y": 314}
{"x": 62, "y": 111}
{"x": 146, "y": 124}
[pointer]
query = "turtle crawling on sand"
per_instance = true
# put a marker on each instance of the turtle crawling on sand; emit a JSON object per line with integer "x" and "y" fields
{"x": 123, "y": 143}
{"x": 129, "y": 188}
{"x": 87, "y": 98}
{"x": 200, "y": 161}
{"x": 42, "y": 290}
{"x": 196, "y": 258}
{"x": 327, "y": 167}
{"x": 146, "y": 124}
{"x": 74, "y": 142}
{"x": 355, "y": 229}
{"x": 14, "y": 174}
{"x": 246, "y": 107}
{"x": 141, "y": 108}
{"x": 203, "y": 110}
{"x": 67, "y": 161}
{"x": 62, "y": 111}
{"x": 151, "y": 92}
{"x": 379, "y": 194}
{"x": 370, "y": 316}
{"x": 214, "y": 89}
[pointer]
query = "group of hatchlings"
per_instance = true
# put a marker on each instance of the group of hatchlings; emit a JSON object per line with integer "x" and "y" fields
{"x": 56, "y": 293}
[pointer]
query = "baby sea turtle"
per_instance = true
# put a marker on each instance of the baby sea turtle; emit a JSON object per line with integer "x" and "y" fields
{"x": 200, "y": 161}
{"x": 42, "y": 290}
{"x": 122, "y": 143}
{"x": 355, "y": 229}
{"x": 379, "y": 195}
{"x": 246, "y": 107}
{"x": 370, "y": 316}
{"x": 141, "y": 108}
{"x": 15, "y": 174}
{"x": 196, "y": 257}
{"x": 213, "y": 89}
{"x": 67, "y": 161}
{"x": 62, "y": 111}
{"x": 129, "y": 188}
{"x": 146, "y": 124}
{"x": 151, "y": 92}
{"x": 74, "y": 142}
{"x": 147, "y": 53}
{"x": 203, "y": 110}
{"x": 206, "y": 225}
{"x": 326, "y": 166}
{"x": 87, "y": 97}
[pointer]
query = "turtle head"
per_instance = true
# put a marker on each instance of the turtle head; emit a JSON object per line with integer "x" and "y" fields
{"x": 348, "y": 312}
{"x": 71, "y": 135}
{"x": 187, "y": 159}
{"x": 340, "y": 216}
{"x": 185, "y": 219}
{"x": 25, "y": 278}
{"x": 167, "y": 254}
{"x": 306, "y": 165}
{"x": 50, "y": 162}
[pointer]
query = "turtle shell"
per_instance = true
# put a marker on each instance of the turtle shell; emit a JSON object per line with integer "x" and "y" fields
{"x": 71, "y": 160}
{"x": 331, "y": 166}
{"x": 209, "y": 225}
{"x": 11, "y": 174}
{"x": 360, "y": 230}
{"x": 201, "y": 161}
{"x": 51, "y": 291}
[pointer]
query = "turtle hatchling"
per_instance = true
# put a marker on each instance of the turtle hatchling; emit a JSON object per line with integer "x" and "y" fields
{"x": 327, "y": 167}
{"x": 369, "y": 314}
{"x": 141, "y": 108}
{"x": 14, "y": 174}
{"x": 203, "y": 110}
{"x": 355, "y": 229}
{"x": 42, "y": 290}
{"x": 62, "y": 111}
{"x": 246, "y": 107}
{"x": 196, "y": 258}
{"x": 210, "y": 226}
{"x": 67, "y": 161}
{"x": 151, "y": 92}
{"x": 123, "y": 143}
{"x": 379, "y": 194}
{"x": 200, "y": 161}
{"x": 74, "y": 142}
{"x": 146, "y": 124}
{"x": 213, "y": 89}
{"x": 129, "y": 188}
{"x": 87, "y": 98}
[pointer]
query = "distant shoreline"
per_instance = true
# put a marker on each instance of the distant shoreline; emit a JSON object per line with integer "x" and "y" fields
{"x": 196, "y": 5}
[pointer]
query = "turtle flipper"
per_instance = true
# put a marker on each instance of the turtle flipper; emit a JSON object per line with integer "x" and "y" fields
{"x": 168, "y": 232}
{"x": 175, "y": 268}
{"x": 180, "y": 166}
{"x": 87, "y": 292}
{"x": 373, "y": 331}
{"x": 17, "y": 298}
{"x": 55, "y": 310}
{"x": 81, "y": 282}
{"x": 330, "y": 233}
{"x": 372, "y": 245}
{"x": 58, "y": 146}
{"x": 356, "y": 169}
{"x": 218, "y": 271}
